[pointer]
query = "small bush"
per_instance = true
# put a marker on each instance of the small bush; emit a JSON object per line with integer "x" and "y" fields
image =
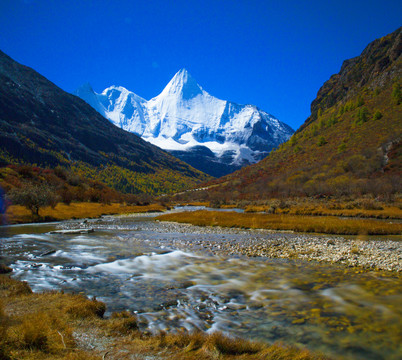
{"x": 396, "y": 93}
{"x": 362, "y": 115}
{"x": 61, "y": 172}
{"x": 66, "y": 195}
{"x": 321, "y": 141}
{"x": 341, "y": 148}
{"x": 377, "y": 115}
{"x": 74, "y": 180}
{"x": 360, "y": 102}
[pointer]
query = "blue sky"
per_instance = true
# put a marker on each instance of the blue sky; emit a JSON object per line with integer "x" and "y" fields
{"x": 274, "y": 54}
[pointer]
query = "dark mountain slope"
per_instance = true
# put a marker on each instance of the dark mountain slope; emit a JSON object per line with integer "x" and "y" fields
{"x": 351, "y": 143}
{"x": 41, "y": 124}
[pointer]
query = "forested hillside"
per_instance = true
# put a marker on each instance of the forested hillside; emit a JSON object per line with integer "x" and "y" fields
{"x": 42, "y": 125}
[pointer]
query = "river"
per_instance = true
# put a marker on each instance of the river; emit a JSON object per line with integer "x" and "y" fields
{"x": 171, "y": 280}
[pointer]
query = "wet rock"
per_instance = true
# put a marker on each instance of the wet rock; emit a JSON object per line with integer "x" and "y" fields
{"x": 73, "y": 231}
{"x": 206, "y": 316}
{"x": 168, "y": 303}
{"x": 34, "y": 266}
{"x": 255, "y": 305}
{"x": 48, "y": 253}
{"x": 4, "y": 269}
{"x": 235, "y": 306}
{"x": 164, "y": 252}
{"x": 235, "y": 294}
{"x": 186, "y": 284}
{"x": 201, "y": 306}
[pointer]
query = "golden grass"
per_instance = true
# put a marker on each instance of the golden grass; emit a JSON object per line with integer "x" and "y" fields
{"x": 123, "y": 323}
{"x": 317, "y": 224}
{"x": 387, "y": 212}
{"x": 42, "y": 326}
{"x": 195, "y": 203}
{"x": 11, "y": 287}
{"x": 17, "y": 214}
{"x": 203, "y": 346}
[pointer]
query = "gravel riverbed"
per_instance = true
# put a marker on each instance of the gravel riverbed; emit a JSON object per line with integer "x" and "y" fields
{"x": 353, "y": 252}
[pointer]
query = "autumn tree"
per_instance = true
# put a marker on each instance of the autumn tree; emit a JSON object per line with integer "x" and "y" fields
{"x": 33, "y": 197}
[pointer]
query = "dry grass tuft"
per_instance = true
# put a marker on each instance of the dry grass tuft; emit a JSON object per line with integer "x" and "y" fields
{"x": 81, "y": 307}
{"x": 12, "y": 287}
{"x": 42, "y": 331}
{"x": 228, "y": 346}
{"x": 123, "y": 323}
{"x": 279, "y": 351}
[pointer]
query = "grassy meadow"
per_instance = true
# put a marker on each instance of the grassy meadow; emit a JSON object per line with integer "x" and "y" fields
{"x": 375, "y": 212}
{"x": 298, "y": 223}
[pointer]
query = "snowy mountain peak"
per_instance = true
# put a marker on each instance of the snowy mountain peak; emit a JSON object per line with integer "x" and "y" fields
{"x": 213, "y": 135}
{"x": 183, "y": 85}
{"x": 119, "y": 89}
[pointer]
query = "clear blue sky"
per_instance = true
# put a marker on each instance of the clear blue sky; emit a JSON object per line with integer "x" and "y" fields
{"x": 274, "y": 54}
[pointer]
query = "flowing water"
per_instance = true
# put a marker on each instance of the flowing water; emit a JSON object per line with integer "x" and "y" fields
{"x": 138, "y": 264}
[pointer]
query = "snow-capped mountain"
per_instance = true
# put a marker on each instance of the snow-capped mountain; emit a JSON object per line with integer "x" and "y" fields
{"x": 213, "y": 135}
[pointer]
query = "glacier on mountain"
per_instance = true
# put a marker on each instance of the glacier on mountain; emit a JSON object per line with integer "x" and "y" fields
{"x": 184, "y": 117}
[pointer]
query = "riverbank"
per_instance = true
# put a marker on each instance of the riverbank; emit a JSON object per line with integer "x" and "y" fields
{"x": 54, "y": 325}
{"x": 360, "y": 251}
{"x": 17, "y": 214}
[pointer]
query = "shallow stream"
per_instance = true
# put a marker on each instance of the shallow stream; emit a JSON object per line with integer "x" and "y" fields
{"x": 141, "y": 265}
